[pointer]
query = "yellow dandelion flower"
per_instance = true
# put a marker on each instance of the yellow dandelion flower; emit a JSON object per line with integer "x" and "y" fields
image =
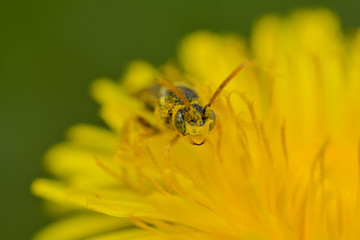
{"x": 281, "y": 163}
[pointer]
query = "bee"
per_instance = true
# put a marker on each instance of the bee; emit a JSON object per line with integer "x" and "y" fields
{"x": 179, "y": 108}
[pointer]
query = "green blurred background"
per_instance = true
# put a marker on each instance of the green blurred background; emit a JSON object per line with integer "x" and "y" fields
{"x": 50, "y": 51}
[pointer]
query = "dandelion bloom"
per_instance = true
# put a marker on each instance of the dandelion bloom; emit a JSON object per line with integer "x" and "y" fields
{"x": 281, "y": 163}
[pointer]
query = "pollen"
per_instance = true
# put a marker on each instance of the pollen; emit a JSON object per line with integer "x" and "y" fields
{"x": 282, "y": 162}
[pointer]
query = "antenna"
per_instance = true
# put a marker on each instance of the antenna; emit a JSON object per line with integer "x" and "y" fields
{"x": 225, "y": 82}
{"x": 175, "y": 90}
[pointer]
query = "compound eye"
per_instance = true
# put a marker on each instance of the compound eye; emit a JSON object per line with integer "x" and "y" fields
{"x": 179, "y": 122}
{"x": 213, "y": 118}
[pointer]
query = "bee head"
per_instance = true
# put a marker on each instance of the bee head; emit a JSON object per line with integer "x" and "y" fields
{"x": 194, "y": 123}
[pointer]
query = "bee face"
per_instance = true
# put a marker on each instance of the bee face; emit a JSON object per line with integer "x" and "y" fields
{"x": 194, "y": 123}
{"x": 190, "y": 120}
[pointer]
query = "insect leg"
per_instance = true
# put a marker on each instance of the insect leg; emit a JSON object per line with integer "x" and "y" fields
{"x": 137, "y": 129}
{"x": 148, "y": 127}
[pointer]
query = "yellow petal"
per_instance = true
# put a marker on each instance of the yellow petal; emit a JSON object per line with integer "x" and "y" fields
{"x": 139, "y": 75}
{"x": 87, "y": 225}
{"x": 128, "y": 234}
{"x": 119, "y": 107}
